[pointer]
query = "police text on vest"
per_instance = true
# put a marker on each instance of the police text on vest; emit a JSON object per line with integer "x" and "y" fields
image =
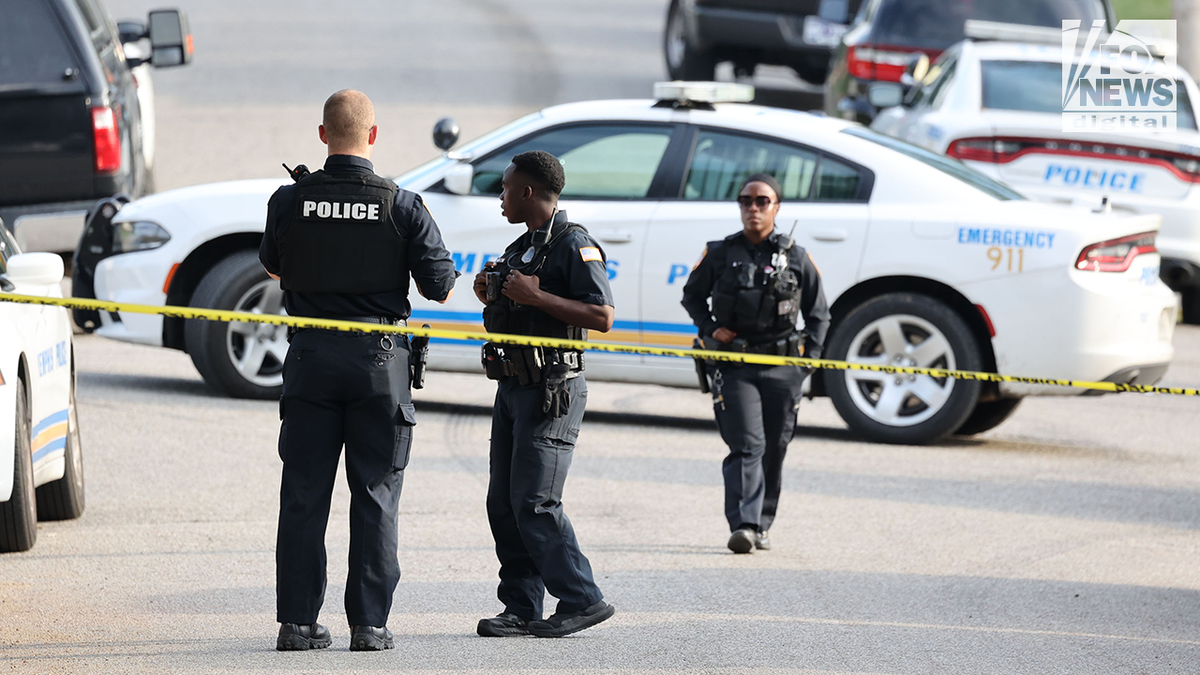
{"x": 341, "y": 210}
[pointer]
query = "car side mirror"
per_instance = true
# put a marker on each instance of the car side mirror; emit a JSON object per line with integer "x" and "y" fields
{"x": 170, "y": 38}
{"x": 35, "y": 269}
{"x": 445, "y": 133}
{"x": 458, "y": 180}
{"x": 885, "y": 94}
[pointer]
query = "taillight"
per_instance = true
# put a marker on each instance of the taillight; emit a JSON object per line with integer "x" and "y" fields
{"x": 1189, "y": 167}
{"x": 1115, "y": 255}
{"x": 1002, "y": 149}
{"x": 995, "y": 150}
{"x": 106, "y": 139}
{"x": 878, "y": 62}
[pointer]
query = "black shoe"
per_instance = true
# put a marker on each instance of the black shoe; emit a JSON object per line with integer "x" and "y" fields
{"x": 298, "y": 637}
{"x": 761, "y": 541}
{"x": 503, "y": 625}
{"x": 370, "y": 638}
{"x": 742, "y": 540}
{"x": 560, "y": 624}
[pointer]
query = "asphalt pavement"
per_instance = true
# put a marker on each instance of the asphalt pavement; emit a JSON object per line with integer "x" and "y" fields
{"x": 1065, "y": 541}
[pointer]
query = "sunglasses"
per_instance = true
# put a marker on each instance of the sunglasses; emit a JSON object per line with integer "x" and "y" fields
{"x": 760, "y": 201}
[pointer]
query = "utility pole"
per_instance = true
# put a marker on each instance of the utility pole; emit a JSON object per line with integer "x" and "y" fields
{"x": 1187, "y": 16}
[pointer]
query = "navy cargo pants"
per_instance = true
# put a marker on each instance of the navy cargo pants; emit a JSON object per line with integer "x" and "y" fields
{"x": 756, "y": 408}
{"x": 348, "y": 389}
{"x": 536, "y": 545}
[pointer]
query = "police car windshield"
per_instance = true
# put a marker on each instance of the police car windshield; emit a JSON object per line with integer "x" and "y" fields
{"x": 1036, "y": 86}
{"x": 951, "y": 167}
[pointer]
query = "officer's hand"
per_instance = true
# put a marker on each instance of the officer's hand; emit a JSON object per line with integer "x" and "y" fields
{"x": 480, "y": 286}
{"x": 724, "y": 335}
{"x": 522, "y": 289}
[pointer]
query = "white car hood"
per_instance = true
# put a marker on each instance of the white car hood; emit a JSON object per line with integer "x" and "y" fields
{"x": 241, "y": 204}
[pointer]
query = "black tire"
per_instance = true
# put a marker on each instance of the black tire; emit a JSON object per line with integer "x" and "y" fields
{"x": 213, "y": 345}
{"x": 18, "y": 515}
{"x": 684, "y": 60}
{"x": 988, "y": 415}
{"x": 63, "y": 499}
{"x": 1191, "y": 304}
{"x": 900, "y": 318}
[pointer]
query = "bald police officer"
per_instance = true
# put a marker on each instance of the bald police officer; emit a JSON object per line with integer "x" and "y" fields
{"x": 343, "y": 242}
{"x": 553, "y": 282}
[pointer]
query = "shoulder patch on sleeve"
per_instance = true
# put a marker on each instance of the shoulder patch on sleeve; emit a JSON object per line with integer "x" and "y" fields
{"x": 814, "y": 263}
{"x": 590, "y": 254}
{"x": 700, "y": 259}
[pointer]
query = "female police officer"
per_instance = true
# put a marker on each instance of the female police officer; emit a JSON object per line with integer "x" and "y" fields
{"x": 758, "y": 281}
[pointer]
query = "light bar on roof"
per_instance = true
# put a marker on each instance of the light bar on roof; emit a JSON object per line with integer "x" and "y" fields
{"x": 1011, "y": 32}
{"x": 703, "y": 92}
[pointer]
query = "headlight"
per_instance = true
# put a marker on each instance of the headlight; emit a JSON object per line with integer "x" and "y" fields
{"x": 139, "y": 236}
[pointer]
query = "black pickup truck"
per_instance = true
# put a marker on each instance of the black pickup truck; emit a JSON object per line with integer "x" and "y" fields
{"x": 70, "y": 118}
{"x": 800, "y": 34}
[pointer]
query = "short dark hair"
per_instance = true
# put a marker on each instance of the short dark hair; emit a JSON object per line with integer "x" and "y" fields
{"x": 543, "y": 168}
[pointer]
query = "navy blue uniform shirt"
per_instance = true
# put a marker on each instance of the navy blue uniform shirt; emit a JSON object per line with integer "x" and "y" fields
{"x": 429, "y": 262}
{"x": 574, "y": 268}
{"x": 703, "y": 280}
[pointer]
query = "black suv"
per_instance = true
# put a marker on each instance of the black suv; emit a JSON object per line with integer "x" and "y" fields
{"x": 70, "y": 120}
{"x": 799, "y": 34}
{"x": 887, "y": 34}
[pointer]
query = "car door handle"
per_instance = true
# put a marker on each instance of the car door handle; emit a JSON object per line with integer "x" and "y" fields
{"x": 615, "y": 236}
{"x": 830, "y": 235}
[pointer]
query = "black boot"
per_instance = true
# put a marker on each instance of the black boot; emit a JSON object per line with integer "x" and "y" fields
{"x": 370, "y": 638}
{"x": 299, "y": 637}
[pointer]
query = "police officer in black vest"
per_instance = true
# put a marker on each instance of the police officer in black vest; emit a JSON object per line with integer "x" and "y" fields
{"x": 343, "y": 242}
{"x": 758, "y": 280}
{"x": 553, "y": 282}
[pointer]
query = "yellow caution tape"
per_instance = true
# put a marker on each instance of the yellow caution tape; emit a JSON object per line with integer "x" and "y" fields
{"x": 531, "y": 341}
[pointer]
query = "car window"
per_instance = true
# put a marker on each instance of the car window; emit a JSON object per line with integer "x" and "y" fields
{"x": 951, "y": 167}
{"x": 836, "y": 182}
{"x": 601, "y": 161}
{"x": 98, "y": 24}
{"x": 722, "y": 161}
{"x": 1036, "y": 86}
{"x": 33, "y": 49}
{"x": 937, "y": 24}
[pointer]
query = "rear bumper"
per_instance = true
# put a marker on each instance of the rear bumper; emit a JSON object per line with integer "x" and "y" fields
{"x": 1102, "y": 327}
{"x": 770, "y": 34}
{"x": 51, "y": 227}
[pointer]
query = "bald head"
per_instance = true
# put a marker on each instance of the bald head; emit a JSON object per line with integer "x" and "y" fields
{"x": 348, "y": 124}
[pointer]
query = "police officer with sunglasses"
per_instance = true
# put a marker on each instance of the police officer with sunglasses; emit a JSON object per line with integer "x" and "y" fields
{"x": 745, "y": 295}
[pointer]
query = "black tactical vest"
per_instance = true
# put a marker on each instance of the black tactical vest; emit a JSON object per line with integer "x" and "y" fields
{"x": 506, "y": 316}
{"x": 749, "y": 299}
{"x": 340, "y": 236}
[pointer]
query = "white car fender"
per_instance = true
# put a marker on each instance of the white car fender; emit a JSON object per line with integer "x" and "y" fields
{"x": 10, "y": 357}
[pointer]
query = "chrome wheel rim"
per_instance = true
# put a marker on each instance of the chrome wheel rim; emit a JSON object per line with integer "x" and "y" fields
{"x": 257, "y": 350}
{"x": 900, "y": 400}
{"x": 676, "y": 40}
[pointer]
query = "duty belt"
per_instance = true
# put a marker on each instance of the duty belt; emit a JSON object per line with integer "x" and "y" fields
{"x": 792, "y": 345}
{"x": 384, "y": 320}
{"x": 528, "y": 364}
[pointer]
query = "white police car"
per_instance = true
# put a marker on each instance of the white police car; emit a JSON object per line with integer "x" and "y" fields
{"x": 925, "y": 262}
{"x": 997, "y": 106}
{"x": 41, "y": 465}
